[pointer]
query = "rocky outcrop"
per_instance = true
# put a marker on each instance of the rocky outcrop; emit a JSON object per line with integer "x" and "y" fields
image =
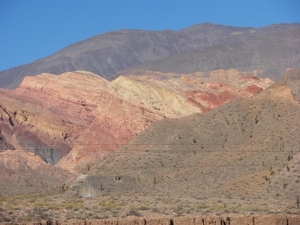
{"x": 75, "y": 118}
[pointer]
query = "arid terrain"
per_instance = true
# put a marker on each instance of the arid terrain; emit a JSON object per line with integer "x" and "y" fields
{"x": 72, "y": 119}
{"x": 241, "y": 158}
{"x": 197, "y": 126}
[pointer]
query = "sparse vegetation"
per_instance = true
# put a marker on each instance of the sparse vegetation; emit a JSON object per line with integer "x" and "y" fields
{"x": 191, "y": 172}
{"x": 133, "y": 212}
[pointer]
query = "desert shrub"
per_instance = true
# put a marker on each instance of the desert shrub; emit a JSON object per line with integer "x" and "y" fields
{"x": 251, "y": 209}
{"x": 109, "y": 205}
{"x": 39, "y": 204}
{"x": 115, "y": 213}
{"x": 5, "y": 219}
{"x": 133, "y": 212}
{"x": 155, "y": 210}
{"x": 217, "y": 207}
{"x": 74, "y": 206}
{"x": 95, "y": 216}
{"x": 144, "y": 208}
{"x": 54, "y": 206}
{"x": 200, "y": 207}
{"x": 17, "y": 208}
{"x": 80, "y": 217}
{"x": 2, "y": 200}
{"x": 179, "y": 210}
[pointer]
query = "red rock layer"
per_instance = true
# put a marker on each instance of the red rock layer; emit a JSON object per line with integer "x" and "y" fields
{"x": 83, "y": 116}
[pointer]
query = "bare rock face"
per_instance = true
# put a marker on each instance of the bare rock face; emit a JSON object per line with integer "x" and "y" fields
{"x": 75, "y": 118}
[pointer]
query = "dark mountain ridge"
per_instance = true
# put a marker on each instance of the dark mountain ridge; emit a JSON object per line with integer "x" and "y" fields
{"x": 109, "y": 53}
{"x": 271, "y": 53}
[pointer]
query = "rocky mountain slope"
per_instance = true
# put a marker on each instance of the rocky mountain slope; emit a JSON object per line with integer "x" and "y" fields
{"x": 239, "y": 160}
{"x": 26, "y": 173}
{"x": 269, "y": 54}
{"x": 271, "y": 49}
{"x": 77, "y": 117}
{"x": 240, "y": 157}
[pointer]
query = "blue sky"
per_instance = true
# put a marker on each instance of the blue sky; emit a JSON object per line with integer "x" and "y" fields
{"x": 32, "y": 29}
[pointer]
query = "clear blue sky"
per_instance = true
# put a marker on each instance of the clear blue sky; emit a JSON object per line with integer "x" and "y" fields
{"x": 32, "y": 29}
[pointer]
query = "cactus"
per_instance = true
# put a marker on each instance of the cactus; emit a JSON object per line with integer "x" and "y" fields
{"x": 256, "y": 119}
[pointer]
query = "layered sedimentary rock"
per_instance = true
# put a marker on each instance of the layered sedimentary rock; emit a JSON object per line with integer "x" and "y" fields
{"x": 77, "y": 117}
{"x": 240, "y": 157}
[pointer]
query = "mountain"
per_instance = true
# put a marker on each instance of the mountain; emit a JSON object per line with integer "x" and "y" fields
{"x": 269, "y": 54}
{"x": 235, "y": 164}
{"x": 240, "y": 157}
{"x": 77, "y": 117}
{"x": 216, "y": 46}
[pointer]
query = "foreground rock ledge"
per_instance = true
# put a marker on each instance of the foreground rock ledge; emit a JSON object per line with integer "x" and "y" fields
{"x": 205, "y": 220}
